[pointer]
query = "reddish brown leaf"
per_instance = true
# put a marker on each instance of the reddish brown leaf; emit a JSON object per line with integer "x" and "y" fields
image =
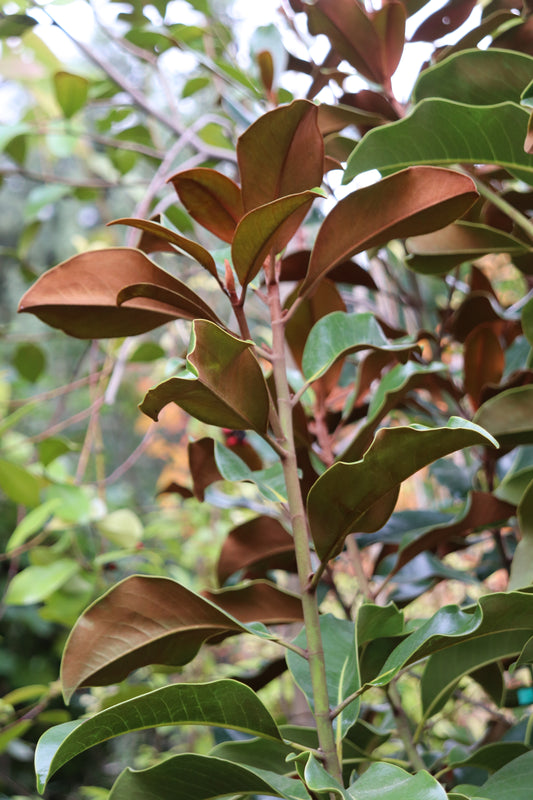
{"x": 202, "y": 465}
{"x": 169, "y": 241}
{"x": 417, "y": 199}
{"x": 389, "y": 24}
{"x": 186, "y": 302}
{"x": 484, "y": 361}
{"x": 444, "y": 21}
{"x": 148, "y": 620}
{"x": 260, "y": 544}
{"x": 79, "y": 295}
{"x": 270, "y": 154}
{"x": 476, "y": 309}
{"x": 294, "y": 268}
{"x": 211, "y": 198}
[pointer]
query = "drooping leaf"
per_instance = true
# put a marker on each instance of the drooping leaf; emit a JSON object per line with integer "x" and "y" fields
{"x": 414, "y": 201}
{"x": 342, "y": 669}
{"x": 346, "y": 491}
{"x": 79, "y": 295}
{"x": 477, "y": 77}
{"x": 230, "y": 390}
{"x": 223, "y": 703}
{"x": 388, "y": 782}
{"x": 197, "y": 777}
{"x": 465, "y": 632}
{"x": 459, "y": 133}
{"x": 259, "y": 544}
{"x": 71, "y": 92}
{"x": 509, "y": 416}
{"x": 484, "y": 361}
{"x": 522, "y": 566}
{"x": 267, "y": 229}
{"x": 393, "y": 387}
{"x": 338, "y": 334}
{"x": 211, "y": 198}
{"x": 270, "y": 151}
{"x": 148, "y": 620}
{"x": 155, "y": 229}
{"x": 481, "y": 511}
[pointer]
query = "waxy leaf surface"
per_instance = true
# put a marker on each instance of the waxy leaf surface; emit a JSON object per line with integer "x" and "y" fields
{"x": 197, "y": 777}
{"x": 511, "y": 782}
{"x": 509, "y": 416}
{"x": 79, "y": 296}
{"x": 338, "y": 334}
{"x": 230, "y": 390}
{"x": 388, "y": 782}
{"x": 267, "y": 229}
{"x": 211, "y": 198}
{"x": 148, "y": 620}
{"x": 346, "y": 491}
{"x": 444, "y": 132}
{"x": 259, "y": 544}
{"x": 224, "y": 703}
{"x": 415, "y": 201}
{"x": 270, "y": 154}
{"x": 477, "y": 77}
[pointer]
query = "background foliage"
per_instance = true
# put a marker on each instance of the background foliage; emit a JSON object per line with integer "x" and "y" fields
{"x": 433, "y": 321}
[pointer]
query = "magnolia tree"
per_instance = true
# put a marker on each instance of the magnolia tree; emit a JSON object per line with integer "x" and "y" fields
{"x": 323, "y": 387}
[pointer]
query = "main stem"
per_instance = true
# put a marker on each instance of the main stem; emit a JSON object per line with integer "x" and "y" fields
{"x": 315, "y": 648}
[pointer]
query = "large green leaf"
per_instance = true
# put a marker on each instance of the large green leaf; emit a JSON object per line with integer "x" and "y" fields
{"x": 509, "y": 416}
{"x": 465, "y": 632}
{"x": 149, "y": 620}
{"x": 270, "y": 153}
{"x": 338, "y": 334}
{"x": 230, "y": 390}
{"x": 224, "y": 703}
{"x": 342, "y": 670}
{"x": 79, "y": 296}
{"x": 346, "y": 491}
{"x": 387, "y": 782}
{"x": 511, "y": 782}
{"x": 414, "y": 201}
{"x": 477, "y": 77}
{"x": 196, "y": 777}
{"x": 522, "y": 566}
{"x": 444, "y": 132}
{"x": 265, "y": 230}
{"x": 35, "y": 583}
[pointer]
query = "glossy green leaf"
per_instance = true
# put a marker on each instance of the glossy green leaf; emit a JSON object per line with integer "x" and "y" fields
{"x": 491, "y": 756}
{"x": 196, "y": 777}
{"x": 511, "y": 782}
{"x": 193, "y": 249}
{"x": 387, "y": 782}
{"x": 32, "y": 523}
{"x": 270, "y": 151}
{"x": 338, "y": 334}
{"x": 35, "y": 583}
{"x": 346, "y": 491}
{"x": 71, "y": 92}
{"x": 509, "y": 416}
{"x": 478, "y": 77}
{"x": 414, "y": 201}
{"x": 522, "y": 566}
{"x": 342, "y": 669}
{"x": 269, "y": 481}
{"x": 211, "y": 198}
{"x": 224, "y": 703}
{"x": 392, "y": 388}
{"x": 19, "y": 484}
{"x": 79, "y": 295}
{"x": 444, "y": 132}
{"x": 464, "y": 632}
{"x": 230, "y": 390}
{"x": 265, "y": 230}
{"x": 148, "y": 620}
